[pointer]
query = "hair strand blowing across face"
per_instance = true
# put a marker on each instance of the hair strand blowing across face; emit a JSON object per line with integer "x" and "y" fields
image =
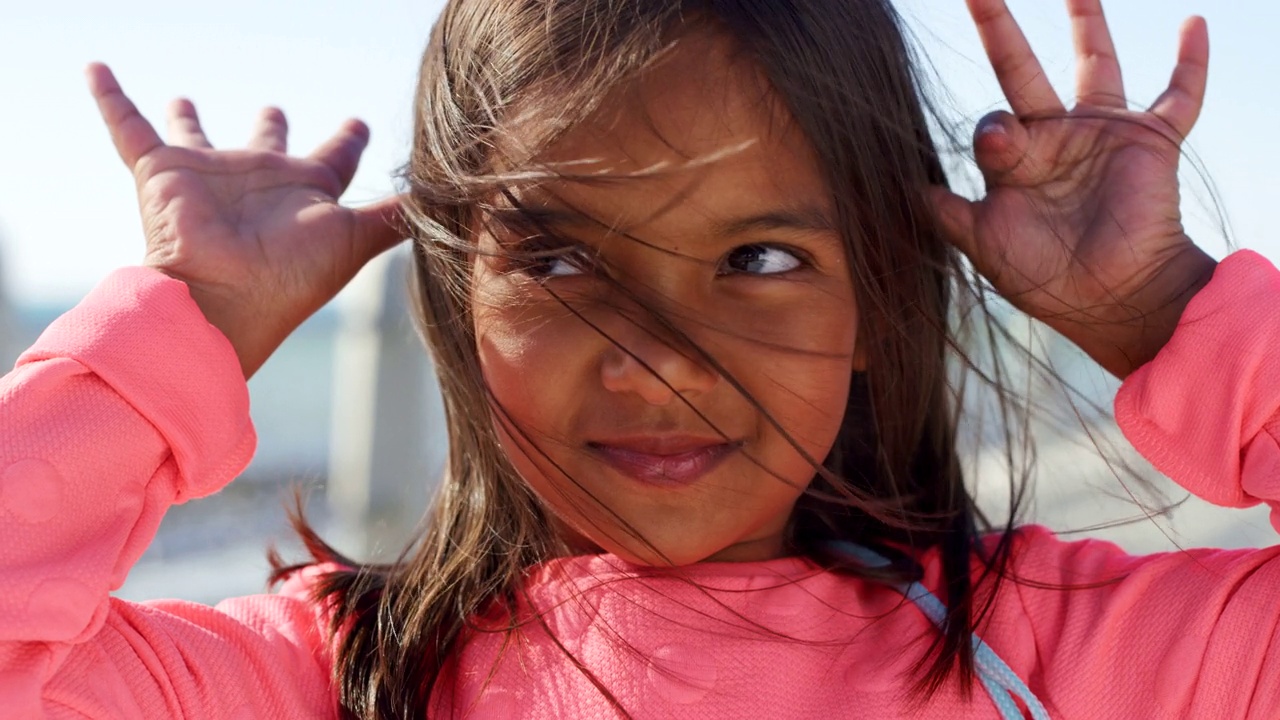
{"x": 502, "y": 79}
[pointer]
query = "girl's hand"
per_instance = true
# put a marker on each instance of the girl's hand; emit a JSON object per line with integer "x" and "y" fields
{"x": 258, "y": 236}
{"x": 1081, "y": 226}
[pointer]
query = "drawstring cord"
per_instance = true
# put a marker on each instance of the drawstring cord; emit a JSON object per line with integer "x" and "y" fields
{"x": 1000, "y": 681}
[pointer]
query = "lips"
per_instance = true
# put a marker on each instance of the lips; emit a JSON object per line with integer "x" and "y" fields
{"x": 664, "y": 462}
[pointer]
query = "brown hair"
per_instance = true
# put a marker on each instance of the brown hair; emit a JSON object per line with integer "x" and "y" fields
{"x": 847, "y": 75}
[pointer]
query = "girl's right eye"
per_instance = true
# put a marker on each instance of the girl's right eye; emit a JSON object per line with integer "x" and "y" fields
{"x": 554, "y": 266}
{"x": 540, "y": 260}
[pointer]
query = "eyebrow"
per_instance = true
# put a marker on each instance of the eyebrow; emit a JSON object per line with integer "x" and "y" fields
{"x": 801, "y": 218}
{"x": 807, "y": 218}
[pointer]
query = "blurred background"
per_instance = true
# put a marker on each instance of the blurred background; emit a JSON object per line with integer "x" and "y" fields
{"x": 347, "y": 407}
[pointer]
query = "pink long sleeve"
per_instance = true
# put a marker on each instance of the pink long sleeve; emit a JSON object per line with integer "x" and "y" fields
{"x": 1181, "y": 634}
{"x": 1207, "y": 411}
{"x": 126, "y": 405}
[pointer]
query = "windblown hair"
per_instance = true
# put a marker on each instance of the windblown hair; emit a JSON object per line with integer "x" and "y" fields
{"x": 850, "y": 80}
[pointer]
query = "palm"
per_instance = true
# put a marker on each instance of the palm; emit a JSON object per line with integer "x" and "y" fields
{"x": 1083, "y": 235}
{"x": 1081, "y": 225}
{"x": 279, "y": 219}
{"x": 257, "y": 235}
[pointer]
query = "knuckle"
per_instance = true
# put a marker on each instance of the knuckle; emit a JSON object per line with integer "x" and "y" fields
{"x": 146, "y": 168}
{"x": 325, "y": 177}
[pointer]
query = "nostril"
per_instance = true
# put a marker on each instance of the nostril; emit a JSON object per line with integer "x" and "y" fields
{"x": 630, "y": 374}
{"x": 657, "y": 376}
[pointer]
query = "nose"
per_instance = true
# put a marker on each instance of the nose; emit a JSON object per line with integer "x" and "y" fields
{"x": 641, "y": 362}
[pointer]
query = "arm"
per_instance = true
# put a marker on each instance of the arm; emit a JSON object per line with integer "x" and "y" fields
{"x": 137, "y": 400}
{"x": 1081, "y": 228}
{"x": 1188, "y": 633}
{"x": 128, "y": 404}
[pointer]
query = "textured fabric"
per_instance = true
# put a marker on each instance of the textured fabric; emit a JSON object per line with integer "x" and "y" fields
{"x": 132, "y": 402}
{"x": 1002, "y": 684}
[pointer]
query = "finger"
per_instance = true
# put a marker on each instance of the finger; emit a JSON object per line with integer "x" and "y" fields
{"x": 380, "y": 227}
{"x": 342, "y": 152}
{"x": 1180, "y": 104}
{"x": 1017, "y": 68}
{"x": 1001, "y": 147}
{"x": 184, "y": 125}
{"x": 132, "y": 135}
{"x": 1098, "y": 78}
{"x": 271, "y": 132}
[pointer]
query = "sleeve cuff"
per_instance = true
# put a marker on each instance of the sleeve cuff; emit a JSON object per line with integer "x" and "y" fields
{"x": 1193, "y": 409}
{"x": 140, "y": 331}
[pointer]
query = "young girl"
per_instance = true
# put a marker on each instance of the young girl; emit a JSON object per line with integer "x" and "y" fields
{"x": 687, "y": 271}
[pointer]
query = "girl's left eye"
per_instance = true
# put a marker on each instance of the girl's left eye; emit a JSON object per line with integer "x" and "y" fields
{"x": 761, "y": 260}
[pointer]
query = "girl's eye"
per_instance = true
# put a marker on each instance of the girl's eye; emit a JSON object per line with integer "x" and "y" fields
{"x": 557, "y": 266}
{"x": 560, "y": 262}
{"x": 761, "y": 260}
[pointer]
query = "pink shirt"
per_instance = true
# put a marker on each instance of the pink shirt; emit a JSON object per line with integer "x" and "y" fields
{"x": 131, "y": 403}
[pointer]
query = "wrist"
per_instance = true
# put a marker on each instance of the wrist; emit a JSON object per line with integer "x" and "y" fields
{"x": 1192, "y": 274}
{"x": 223, "y": 311}
{"x": 1147, "y": 317}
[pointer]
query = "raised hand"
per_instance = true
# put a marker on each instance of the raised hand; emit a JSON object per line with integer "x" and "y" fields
{"x": 1081, "y": 226}
{"x": 257, "y": 236}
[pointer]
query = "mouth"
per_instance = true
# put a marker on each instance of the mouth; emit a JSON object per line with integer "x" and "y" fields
{"x": 669, "y": 462}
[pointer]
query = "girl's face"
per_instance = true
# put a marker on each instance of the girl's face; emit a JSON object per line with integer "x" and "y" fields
{"x": 636, "y": 443}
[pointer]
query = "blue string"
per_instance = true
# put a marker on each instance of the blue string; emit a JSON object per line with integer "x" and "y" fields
{"x": 1000, "y": 681}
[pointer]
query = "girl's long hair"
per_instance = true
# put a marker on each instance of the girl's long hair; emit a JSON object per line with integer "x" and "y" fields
{"x": 848, "y": 76}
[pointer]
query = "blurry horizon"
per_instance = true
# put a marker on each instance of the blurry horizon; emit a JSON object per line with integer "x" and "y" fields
{"x": 67, "y": 210}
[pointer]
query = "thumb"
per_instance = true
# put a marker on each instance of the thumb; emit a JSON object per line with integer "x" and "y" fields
{"x": 1000, "y": 146}
{"x": 379, "y": 227}
{"x": 955, "y": 216}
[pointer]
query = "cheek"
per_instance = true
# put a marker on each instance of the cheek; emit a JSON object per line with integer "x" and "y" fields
{"x": 802, "y": 381}
{"x": 807, "y": 400}
{"x": 536, "y": 363}
{"x": 799, "y": 364}
{"x": 520, "y": 366}
{"x": 533, "y": 353}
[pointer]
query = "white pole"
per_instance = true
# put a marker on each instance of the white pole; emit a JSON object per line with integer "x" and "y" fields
{"x": 387, "y": 438}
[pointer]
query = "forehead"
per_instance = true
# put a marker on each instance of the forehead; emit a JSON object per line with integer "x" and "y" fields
{"x": 699, "y": 137}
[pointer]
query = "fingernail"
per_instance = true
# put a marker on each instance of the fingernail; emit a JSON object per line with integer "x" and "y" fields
{"x": 992, "y": 128}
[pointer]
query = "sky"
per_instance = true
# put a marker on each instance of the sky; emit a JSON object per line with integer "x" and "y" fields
{"x": 67, "y": 209}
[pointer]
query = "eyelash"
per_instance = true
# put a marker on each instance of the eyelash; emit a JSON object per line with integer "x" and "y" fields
{"x": 535, "y": 250}
{"x": 552, "y": 251}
